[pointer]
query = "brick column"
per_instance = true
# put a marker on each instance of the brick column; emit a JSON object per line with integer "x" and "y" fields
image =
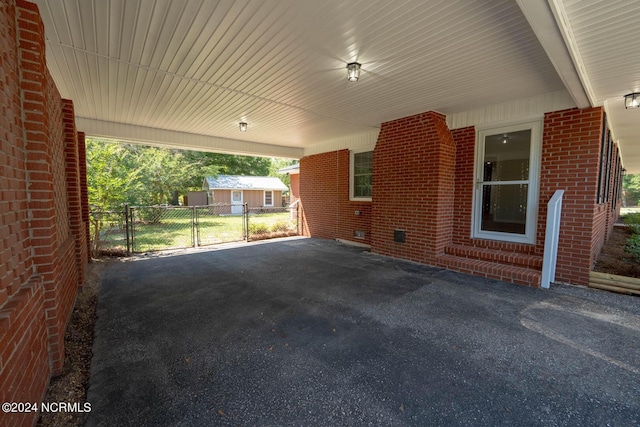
{"x": 84, "y": 195}
{"x": 413, "y": 187}
{"x": 78, "y": 228}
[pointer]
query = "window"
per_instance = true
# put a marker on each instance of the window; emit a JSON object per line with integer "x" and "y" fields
{"x": 361, "y": 171}
{"x": 268, "y": 198}
{"x": 602, "y": 163}
{"x": 506, "y": 195}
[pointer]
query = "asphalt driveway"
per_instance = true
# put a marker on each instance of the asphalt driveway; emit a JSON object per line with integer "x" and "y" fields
{"x": 311, "y": 332}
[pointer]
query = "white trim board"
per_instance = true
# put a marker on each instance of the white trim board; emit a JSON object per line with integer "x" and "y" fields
{"x": 514, "y": 111}
{"x": 182, "y": 140}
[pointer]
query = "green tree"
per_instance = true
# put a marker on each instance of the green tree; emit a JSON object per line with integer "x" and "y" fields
{"x": 112, "y": 178}
{"x": 162, "y": 173}
{"x": 212, "y": 164}
{"x": 122, "y": 173}
{"x": 631, "y": 189}
{"x": 277, "y": 164}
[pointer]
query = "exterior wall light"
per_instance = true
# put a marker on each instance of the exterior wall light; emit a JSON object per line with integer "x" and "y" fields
{"x": 353, "y": 71}
{"x": 632, "y": 100}
{"x": 243, "y": 126}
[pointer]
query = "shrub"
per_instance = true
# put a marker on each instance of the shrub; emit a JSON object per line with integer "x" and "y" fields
{"x": 633, "y": 246}
{"x": 633, "y": 221}
{"x": 280, "y": 226}
{"x": 258, "y": 228}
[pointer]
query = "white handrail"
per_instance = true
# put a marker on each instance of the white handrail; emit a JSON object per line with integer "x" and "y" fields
{"x": 551, "y": 237}
{"x": 294, "y": 203}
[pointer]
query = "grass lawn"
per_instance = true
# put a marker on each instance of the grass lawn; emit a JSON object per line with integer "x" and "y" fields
{"x": 629, "y": 209}
{"x": 160, "y": 228}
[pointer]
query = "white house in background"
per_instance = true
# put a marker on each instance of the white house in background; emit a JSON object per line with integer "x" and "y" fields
{"x": 255, "y": 191}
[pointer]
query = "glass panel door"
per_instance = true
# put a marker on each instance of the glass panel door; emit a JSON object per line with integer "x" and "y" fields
{"x": 505, "y": 184}
{"x": 236, "y": 202}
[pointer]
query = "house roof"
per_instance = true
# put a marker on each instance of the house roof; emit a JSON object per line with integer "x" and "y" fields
{"x": 237, "y": 182}
{"x": 293, "y": 169}
{"x": 183, "y": 74}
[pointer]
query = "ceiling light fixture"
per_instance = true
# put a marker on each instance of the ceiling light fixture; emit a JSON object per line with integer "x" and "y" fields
{"x": 505, "y": 138}
{"x": 243, "y": 126}
{"x": 632, "y": 100}
{"x": 353, "y": 71}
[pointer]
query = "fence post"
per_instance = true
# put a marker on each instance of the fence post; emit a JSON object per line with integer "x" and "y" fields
{"x": 132, "y": 222}
{"x": 195, "y": 228}
{"x": 246, "y": 221}
{"x": 126, "y": 227}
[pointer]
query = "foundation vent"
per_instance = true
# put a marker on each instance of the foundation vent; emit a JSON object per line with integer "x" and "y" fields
{"x": 399, "y": 236}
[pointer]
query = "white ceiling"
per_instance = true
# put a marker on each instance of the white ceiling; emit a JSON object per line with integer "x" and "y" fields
{"x": 195, "y": 68}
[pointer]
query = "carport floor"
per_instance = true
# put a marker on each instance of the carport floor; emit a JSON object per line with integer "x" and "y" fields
{"x": 311, "y": 332}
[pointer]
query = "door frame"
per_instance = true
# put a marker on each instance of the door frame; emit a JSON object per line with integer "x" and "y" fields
{"x": 535, "y": 154}
{"x": 235, "y": 204}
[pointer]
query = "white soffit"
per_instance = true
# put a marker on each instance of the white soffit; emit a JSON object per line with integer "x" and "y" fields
{"x": 606, "y": 33}
{"x": 195, "y": 68}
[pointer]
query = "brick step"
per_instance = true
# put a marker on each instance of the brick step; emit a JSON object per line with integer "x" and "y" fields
{"x": 492, "y": 270}
{"x": 496, "y": 256}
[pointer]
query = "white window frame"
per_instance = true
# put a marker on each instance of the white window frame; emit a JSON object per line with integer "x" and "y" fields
{"x": 264, "y": 197}
{"x": 237, "y": 202}
{"x": 533, "y": 183}
{"x": 352, "y": 154}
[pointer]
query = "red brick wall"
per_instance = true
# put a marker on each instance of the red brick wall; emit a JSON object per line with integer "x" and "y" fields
{"x": 571, "y": 153}
{"x": 43, "y": 231}
{"x": 423, "y": 184}
{"x": 84, "y": 196}
{"x": 294, "y": 185}
{"x": 24, "y": 360}
{"x": 465, "y": 140}
{"x": 74, "y": 189}
{"x": 570, "y": 158}
{"x": 413, "y": 187}
{"x": 326, "y": 210}
{"x": 25, "y": 370}
{"x": 318, "y": 195}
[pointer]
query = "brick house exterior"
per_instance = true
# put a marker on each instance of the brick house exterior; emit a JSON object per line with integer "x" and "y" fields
{"x": 423, "y": 185}
{"x": 423, "y": 180}
{"x": 43, "y": 210}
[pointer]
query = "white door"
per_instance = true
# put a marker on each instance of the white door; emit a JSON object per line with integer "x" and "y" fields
{"x": 507, "y": 170}
{"x": 236, "y": 202}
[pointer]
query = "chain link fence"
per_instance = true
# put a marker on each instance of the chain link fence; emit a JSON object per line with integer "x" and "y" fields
{"x": 109, "y": 233}
{"x": 153, "y": 228}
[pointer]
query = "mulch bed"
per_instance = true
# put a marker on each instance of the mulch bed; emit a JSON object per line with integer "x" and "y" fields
{"x": 72, "y": 385}
{"x": 613, "y": 259}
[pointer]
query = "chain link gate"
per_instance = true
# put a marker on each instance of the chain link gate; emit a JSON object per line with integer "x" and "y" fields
{"x": 139, "y": 229}
{"x": 218, "y": 224}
